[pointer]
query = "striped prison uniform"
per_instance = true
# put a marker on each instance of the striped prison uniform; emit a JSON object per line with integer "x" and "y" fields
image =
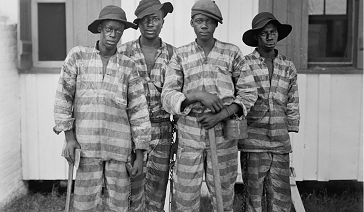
{"x": 267, "y": 148}
{"x": 107, "y": 112}
{"x": 149, "y": 189}
{"x": 217, "y": 73}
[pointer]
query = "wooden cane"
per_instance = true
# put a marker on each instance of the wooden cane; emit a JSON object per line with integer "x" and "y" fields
{"x": 215, "y": 170}
{"x": 69, "y": 186}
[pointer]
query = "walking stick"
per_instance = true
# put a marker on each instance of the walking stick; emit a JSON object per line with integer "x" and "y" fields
{"x": 70, "y": 178}
{"x": 69, "y": 186}
{"x": 215, "y": 170}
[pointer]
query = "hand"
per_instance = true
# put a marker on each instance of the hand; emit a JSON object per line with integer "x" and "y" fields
{"x": 211, "y": 101}
{"x": 71, "y": 145}
{"x": 209, "y": 120}
{"x": 137, "y": 165}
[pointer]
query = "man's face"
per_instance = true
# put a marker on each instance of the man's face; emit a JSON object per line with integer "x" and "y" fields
{"x": 110, "y": 33}
{"x": 204, "y": 27}
{"x": 267, "y": 37}
{"x": 151, "y": 25}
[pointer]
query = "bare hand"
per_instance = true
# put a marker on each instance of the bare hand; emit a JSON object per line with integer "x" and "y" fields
{"x": 211, "y": 101}
{"x": 137, "y": 164}
{"x": 209, "y": 120}
{"x": 69, "y": 150}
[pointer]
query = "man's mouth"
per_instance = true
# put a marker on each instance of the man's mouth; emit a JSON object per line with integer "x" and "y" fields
{"x": 149, "y": 31}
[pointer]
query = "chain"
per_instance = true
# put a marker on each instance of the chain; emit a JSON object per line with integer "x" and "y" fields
{"x": 244, "y": 175}
{"x": 172, "y": 163}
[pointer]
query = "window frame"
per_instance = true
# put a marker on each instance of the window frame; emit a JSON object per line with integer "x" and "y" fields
{"x": 352, "y": 27}
{"x": 35, "y": 36}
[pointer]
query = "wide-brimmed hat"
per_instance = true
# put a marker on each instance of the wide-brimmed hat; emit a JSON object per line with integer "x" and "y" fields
{"x": 258, "y": 23}
{"x": 208, "y": 8}
{"x": 110, "y": 12}
{"x": 148, "y": 7}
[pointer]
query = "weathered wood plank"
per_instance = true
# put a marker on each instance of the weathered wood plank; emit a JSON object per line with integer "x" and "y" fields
{"x": 80, "y": 23}
{"x": 311, "y": 129}
{"x": 32, "y": 139}
{"x": 324, "y": 122}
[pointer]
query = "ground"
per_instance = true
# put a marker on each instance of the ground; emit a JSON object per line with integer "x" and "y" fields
{"x": 333, "y": 196}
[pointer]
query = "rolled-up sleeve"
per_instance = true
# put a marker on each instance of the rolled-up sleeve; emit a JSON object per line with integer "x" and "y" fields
{"x": 245, "y": 87}
{"x": 293, "y": 113}
{"x": 172, "y": 96}
{"x": 138, "y": 112}
{"x": 65, "y": 93}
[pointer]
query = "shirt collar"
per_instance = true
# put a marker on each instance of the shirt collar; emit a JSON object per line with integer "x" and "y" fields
{"x": 259, "y": 56}
{"x": 96, "y": 48}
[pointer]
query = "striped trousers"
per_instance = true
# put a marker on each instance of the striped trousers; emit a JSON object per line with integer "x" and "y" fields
{"x": 149, "y": 190}
{"x": 266, "y": 174}
{"x": 194, "y": 160}
{"x": 92, "y": 174}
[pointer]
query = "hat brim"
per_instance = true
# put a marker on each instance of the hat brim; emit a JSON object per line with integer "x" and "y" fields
{"x": 283, "y": 31}
{"x": 94, "y": 25}
{"x": 167, "y": 7}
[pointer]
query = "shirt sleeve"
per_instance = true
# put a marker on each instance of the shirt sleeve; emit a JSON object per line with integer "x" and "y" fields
{"x": 293, "y": 114}
{"x": 138, "y": 112}
{"x": 245, "y": 87}
{"x": 172, "y": 96}
{"x": 65, "y": 93}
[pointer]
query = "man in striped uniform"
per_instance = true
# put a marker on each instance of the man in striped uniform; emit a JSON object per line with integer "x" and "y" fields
{"x": 151, "y": 56}
{"x": 273, "y": 116}
{"x": 101, "y": 107}
{"x": 205, "y": 85}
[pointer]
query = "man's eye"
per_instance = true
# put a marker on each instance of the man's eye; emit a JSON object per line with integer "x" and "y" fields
{"x": 107, "y": 29}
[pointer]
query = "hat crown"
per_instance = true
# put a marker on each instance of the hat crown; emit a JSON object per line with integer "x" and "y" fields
{"x": 207, "y": 6}
{"x": 112, "y": 12}
{"x": 262, "y": 18}
{"x": 145, "y": 4}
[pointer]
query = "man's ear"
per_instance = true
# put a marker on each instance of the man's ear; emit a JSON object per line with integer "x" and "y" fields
{"x": 191, "y": 23}
{"x": 255, "y": 37}
{"x": 99, "y": 28}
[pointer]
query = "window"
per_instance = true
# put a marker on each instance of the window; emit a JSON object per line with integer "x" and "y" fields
{"x": 49, "y": 34}
{"x": 330, "y": 32}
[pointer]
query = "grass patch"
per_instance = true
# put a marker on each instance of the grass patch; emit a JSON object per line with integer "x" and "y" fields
{"x": 38, "y": 202}
{"x": 315, "y": 197}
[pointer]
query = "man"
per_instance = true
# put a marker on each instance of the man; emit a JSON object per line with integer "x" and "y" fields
{"x": 273, "y": 116}
{"x": 101, "y": 107}
{"x": 205, "y": 85}
{"x": 151, "y": 56}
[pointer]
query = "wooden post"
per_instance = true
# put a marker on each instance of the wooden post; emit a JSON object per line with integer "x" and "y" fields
{"x": 215, "y": 170}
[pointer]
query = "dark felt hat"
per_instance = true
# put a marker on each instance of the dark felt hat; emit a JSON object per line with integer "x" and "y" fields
{"x": 259, "y": 22}
{"x": 110, "y": 12}
{"x": 208, "y": 8}
{"x": 148, "y": 7}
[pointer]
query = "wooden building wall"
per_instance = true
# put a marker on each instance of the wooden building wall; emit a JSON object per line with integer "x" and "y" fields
{"x": 328, "y": 146}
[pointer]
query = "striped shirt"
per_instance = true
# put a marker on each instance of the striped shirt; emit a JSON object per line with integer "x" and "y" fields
{"x": 152, "y": 81}
{"x": 217, "y": 73}
{"x": 276, "y": 112}
{"x": 107, "y": 112}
